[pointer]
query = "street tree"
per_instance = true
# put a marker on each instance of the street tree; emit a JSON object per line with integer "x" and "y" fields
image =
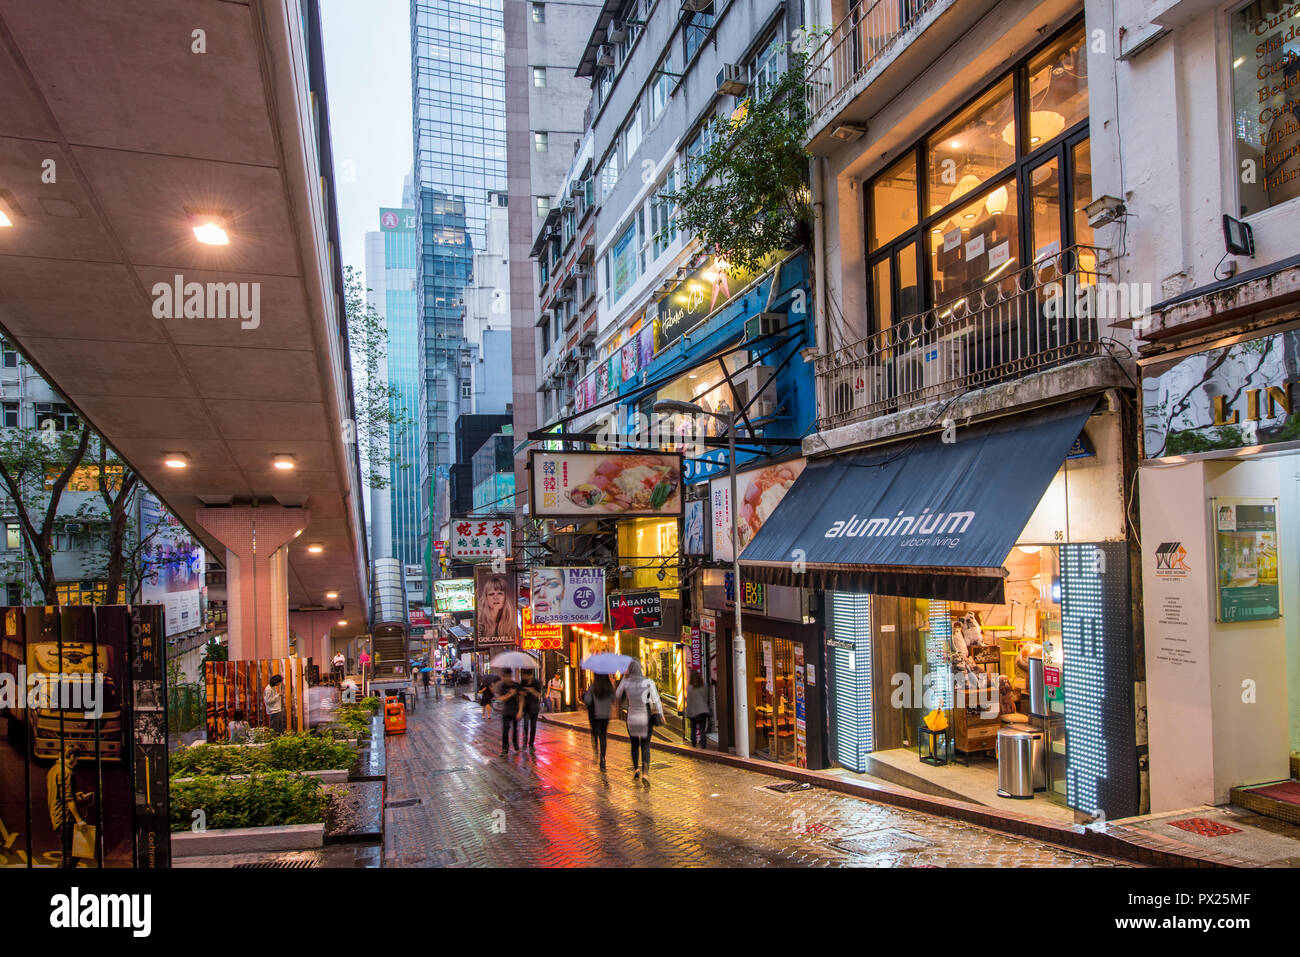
{"x": 379, "y": 412}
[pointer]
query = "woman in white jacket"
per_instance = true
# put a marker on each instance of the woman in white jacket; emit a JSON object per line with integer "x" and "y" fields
{"x": 642, "y": 700}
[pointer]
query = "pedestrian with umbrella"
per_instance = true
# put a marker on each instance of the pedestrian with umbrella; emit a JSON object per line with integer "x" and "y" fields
{"x": 599, "y": 700}
{"x": 510, "y": 696}
{"x": 644, "y": 712}
{"x": 530, "y": 693}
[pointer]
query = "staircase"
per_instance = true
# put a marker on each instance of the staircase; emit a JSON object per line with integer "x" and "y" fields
{"x": 1279, "y": 800}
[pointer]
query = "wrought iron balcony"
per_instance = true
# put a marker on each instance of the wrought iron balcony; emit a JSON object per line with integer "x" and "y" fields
{"x": 857, "y": 44}
{"x": 1048, "y": 313}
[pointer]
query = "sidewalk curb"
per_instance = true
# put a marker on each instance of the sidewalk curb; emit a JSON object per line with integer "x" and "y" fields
{"x": 1139, "y": 847}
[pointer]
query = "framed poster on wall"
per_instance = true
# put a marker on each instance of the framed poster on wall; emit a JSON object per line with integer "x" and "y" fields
{"x": 1246, "y": 554}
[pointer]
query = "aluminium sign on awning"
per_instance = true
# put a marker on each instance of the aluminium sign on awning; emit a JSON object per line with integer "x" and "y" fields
{"x": 922, "y": 519}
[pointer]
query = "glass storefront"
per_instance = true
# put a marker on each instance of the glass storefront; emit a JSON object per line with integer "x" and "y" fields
{"x": 662, "y": 662}
{"x": 772, "y": 697}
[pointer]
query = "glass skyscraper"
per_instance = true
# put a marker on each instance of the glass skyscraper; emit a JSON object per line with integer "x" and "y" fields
{"x": 459, "y": 129}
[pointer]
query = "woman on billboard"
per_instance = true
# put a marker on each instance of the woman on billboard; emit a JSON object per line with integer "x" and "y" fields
{"x": 496, "y": 607}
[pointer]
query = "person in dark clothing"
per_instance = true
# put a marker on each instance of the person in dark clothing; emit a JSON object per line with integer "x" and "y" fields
{"x": 507, "y": 694}
{"x": 599, "y": 700}
{"x": 424, "y": 680}
{"x": 530, "y": 693}
{"x": 697, "y": 709}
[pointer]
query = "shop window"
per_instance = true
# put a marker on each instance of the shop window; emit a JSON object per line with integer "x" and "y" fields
{"x": 706, "y": 387}
{"x": 893, "y": 202}
{"x": 649, "y": 547}
{"x": 1058, "y": 89}
{"x": 971, "y": 148}
{"x": 976, "y": 245}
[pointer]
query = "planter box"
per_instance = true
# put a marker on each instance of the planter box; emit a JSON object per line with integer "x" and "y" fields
{"x": 328, "y": 776}
{"x": 244, "y": 840}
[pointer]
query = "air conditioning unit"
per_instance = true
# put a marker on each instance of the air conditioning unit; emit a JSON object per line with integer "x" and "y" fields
{"x": 606, "y": 56}
{"x": 615, "y": 32}
{"x": 72, "y": 528}
{"x": 756, "y": 381}
{"x": 732, "y": 79}
{"x": 696, "y": 6}
{"x": 578, "y": 188}
{"x": 764, "y": 324}
{"x": 853, "y": 388}
{"x": 567, "y": 204}
{"x": 581, "y": 272}
{"x": 930, "y": 370}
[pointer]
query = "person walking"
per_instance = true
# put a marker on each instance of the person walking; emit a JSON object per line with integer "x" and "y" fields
{"x": 424, "y": 680}
{"x": 697, "y": 708}
{"x": 273, "y": 699}
{"x": 530, "y": 692}
{"x": 340, "y": 662}
{"x": 644, "y": 711}
{"x": 554, "y": 691}
{"x": 487, "y": 692}
{"x": 508, "y": 696}
{"x": 599, "y": 700}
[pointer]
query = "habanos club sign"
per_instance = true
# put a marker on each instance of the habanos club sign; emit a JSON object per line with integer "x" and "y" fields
{"x": 475, "y": 539}
{"x": 635, "y": 609}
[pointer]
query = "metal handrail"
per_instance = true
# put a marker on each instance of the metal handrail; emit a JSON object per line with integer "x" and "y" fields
{"x": 1017, "y": 324}
{"x": 865, "y": 35}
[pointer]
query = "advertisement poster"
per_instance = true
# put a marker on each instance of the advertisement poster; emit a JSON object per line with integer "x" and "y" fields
{"x": 695, "y": 539}
{"x": 594, "y": 484}
{"x": 635, "y": 609}
{"x": 1245, "y": 532}
{"x": 629, "y": 356}
{"x": 800, "y": 712}
{"x": 602, "y": 379}
{"x": 173, "y": 567}
{"x": 476, "y": 539}
{"x": 567, "y": 596}
{"x": 451, "y": 595}
{"x": 760, "y": 490}
{"x": 646, "y": 345}
{"x": 496, "y": 607}
{"x": 539, "y": 637}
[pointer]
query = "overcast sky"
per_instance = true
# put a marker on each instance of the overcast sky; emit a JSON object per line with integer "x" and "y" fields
{"x": 368, "y": 81}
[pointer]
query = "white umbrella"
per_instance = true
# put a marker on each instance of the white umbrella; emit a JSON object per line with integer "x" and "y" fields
{"x": 514, "y": 659}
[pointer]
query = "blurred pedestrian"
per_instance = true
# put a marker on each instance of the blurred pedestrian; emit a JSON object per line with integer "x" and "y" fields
{"x": 554, "y": 691}
{"x": 487, "y": 692}
{"x": 644, "y": 711}
{"x": 238, "y": 728}
{"x": 507, "y": 695}
{"x": 273, "y": 699}
{"x": 530, "y": 693}
{"x": 599, "y": 700}
{"x": 424, "y": 680}
{"x": 697, "y": 708}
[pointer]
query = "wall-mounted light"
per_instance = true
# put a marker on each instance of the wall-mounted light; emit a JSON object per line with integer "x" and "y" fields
{"x": 849, "y": 132}
{"x": 284, "y": 461}
{"x": 210, "y": 226}
{"x": 176, "y": 460}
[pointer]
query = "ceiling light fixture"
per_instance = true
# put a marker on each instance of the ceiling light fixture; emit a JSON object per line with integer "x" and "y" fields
{"x": 4, "y": 219}
{"x": 284, "y": 461}
{"x": 331, "y": 594}
{"x": 343, "y": 622}
{"x": 315, "y": 548}
{"x": 176, "y": 460}
{"x": 210, "y": 227}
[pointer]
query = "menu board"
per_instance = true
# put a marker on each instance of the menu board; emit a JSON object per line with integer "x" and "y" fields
{"x": 1246, "y": 550}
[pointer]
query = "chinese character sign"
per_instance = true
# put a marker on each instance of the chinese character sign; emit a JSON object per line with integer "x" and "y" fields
{"x": 567, "y": 596}
{"x": 478, "y": 539}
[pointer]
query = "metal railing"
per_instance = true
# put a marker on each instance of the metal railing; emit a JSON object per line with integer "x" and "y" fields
{"x": 855, "y": 45}
{"x": 1045, "y": 314}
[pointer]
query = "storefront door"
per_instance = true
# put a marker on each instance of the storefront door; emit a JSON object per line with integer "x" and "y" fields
{"x": 772, "y": 697}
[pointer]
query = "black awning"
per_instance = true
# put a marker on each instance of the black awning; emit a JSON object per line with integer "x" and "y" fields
{"x": 926, "y": 519}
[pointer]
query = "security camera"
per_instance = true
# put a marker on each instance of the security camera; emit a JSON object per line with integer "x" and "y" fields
{"x": 1104, "y": 210}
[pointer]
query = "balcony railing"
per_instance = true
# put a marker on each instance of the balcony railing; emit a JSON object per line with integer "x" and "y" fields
{"x": 1048, "y": 313}
{"x": 855, "y": 46}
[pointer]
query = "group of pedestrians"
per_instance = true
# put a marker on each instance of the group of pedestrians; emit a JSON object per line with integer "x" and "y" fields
{"x": 520, "y": 704}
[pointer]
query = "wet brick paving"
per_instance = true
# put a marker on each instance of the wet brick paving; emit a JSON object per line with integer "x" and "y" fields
{"x": 453, "y": 801}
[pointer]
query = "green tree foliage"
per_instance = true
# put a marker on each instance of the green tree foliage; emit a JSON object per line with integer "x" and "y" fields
{"x": 378, "y": 407}
{"x": 747, "y": 196}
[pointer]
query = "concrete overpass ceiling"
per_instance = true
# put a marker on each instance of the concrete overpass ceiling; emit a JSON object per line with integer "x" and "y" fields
{"x": 141, "y": 130}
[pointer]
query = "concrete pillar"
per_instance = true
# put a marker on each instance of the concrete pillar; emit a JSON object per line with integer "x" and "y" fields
{"x": 257, "y": 574}
{"x": 315, "y": 642}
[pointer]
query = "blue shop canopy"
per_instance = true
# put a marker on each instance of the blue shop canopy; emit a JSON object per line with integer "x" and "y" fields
{"x": 925, "y": 519}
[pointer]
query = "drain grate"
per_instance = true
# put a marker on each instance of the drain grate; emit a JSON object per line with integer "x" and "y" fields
{"x": 531, "y": 794}
{"x": 1205, "y": 827}
{"x": 296, "y": 863}
{"x": 885, "y": 839}
{"x": 789, "y": 787}
{"x": 407, "y": 802}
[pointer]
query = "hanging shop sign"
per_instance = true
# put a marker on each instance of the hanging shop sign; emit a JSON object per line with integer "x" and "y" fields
{"x": 567, "y": 596}
{"x": 754, "y": 594}
{"x": 419, "y": 617}
{"x": 693, "y": 637}
{"x": 478, "y": 540}
{"x": 760, "y": 490}
{"x": 1245, "y": 532}
{"x": 496, "y": 612}
{"x": 695, "y": 530}
{"x": 702, "y": 293}
{"x": 451, "y": 595}
{"x": 1236, "y": 396}
{"x": 633, "y": 610}
{"x": 596, "y": 484}
{"x": 539, "y": 637}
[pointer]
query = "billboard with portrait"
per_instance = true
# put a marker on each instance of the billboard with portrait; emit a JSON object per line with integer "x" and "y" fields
{"x": 496, "y": 607}
{"x": 760, "y": 490}
{"x": 595, "y": 484}
{"x": 567, "y": 596}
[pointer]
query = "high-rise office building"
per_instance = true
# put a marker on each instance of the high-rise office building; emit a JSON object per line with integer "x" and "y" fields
{"x": 459, "y": 131}
{"x": 391, "y": 254}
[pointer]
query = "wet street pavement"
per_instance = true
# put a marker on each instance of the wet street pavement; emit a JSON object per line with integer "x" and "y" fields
{"x": 453, "y": 801}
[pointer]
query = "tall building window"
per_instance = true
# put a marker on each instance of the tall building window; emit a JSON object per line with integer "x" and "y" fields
{"x": 539, "y": 12}
{"x": 632, "y": 135}
{"x": 10, "y": 357}
{"x": 661, "y": 89}
{"x": 697, "y": 30}
{"x": 13, "y": 536}
{"x": 543, "y": 206}
{"x": 11, "y": 415}
{"x": 539, "y": 76}
{"x": 540, "y": 142}
{"x": 64, "y": 419}
{"x": 767, "y": 67}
